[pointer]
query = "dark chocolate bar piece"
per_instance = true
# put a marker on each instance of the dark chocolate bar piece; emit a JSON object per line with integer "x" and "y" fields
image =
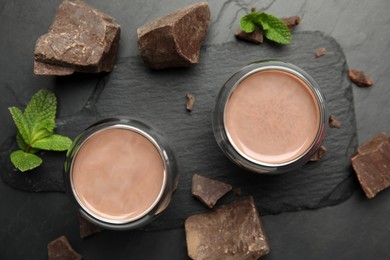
{"x": 80, "y": 39}
{"x": 207, "y": 190}
{"x": 372, "y": 165}
{"x": 60, "y": 249}
{"x": 360, "y": 78}
{"x": 87, "y": 228}
{"x": 174, "y": 40}
{"x": 255, "y": 37}
{"x": 232, "y": 231}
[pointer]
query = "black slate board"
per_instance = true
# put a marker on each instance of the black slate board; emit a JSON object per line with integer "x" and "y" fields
{"x": 158, "y": 97}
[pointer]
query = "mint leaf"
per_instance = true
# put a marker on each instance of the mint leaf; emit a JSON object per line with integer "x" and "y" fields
{"x": 248, "y": 22}
{"x": 21, "y": 123}
{"x": 25, "y": 161}
{"x": 274, "y": 28}
{"x": 53, "y": 143}
{"x": 22, "y": 144}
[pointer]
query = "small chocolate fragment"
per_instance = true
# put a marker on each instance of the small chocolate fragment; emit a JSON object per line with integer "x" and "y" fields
{"x": 174, "y": 40}
{"x": 80, "y": 39}
{"x": 319, "y": 52}
{"x": 360, "y": 78}
{"x": 334, "y": 122}
{"x": 253, "y": 9}
{"x": 207, "y": 190}
{"x": 255, "y": 37}
{"x": 190, "y": 102}
{"x": 372, "y": 165}
{"x": 291, "y": 21}
{"x": 318, "y": 154}
{"x": 232, "y": 231}
{"x": 87, "y": 228}
{"x": 60, "y": 249}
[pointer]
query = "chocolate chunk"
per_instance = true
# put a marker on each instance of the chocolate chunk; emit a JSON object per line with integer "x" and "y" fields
{"x": 292, "y": 21}
{"x": 80, "y": 39}
{"x": 87, "y": 228}
{"x": 319, "y": 52}
{"x": 190, "y": 102}
{"x": 207, "y": 190}
{"x": 174, "y": 40}
{"x": 360, "y": 78}
{"x": 318, "y": 154}
{"x": 255, "y": 37}
{"x": 372, "y": 165}
{"x": 334, "y": 122}
{"x": 60, "y": 249}
{"x": 232, "y": 231}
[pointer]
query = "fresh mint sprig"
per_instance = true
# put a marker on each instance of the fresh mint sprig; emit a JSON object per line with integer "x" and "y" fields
{"x": 274, "y": 29}
{"x": 36, "y": 130}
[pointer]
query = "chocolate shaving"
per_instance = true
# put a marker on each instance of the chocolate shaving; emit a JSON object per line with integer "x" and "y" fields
{"x": 174, "y": 40}
{"x": 319, "y": 52}
{"x": 208, "y": 191}
{"x": 81, "y": 39}
{"x": 318, "y": 154}
{"x": 87, "y": 228}
{"x": 372, "y": 165}
{"x": 334, "y": 122}
{"x": 190, "y": 102}
{"x": 60, "y": 249}
{"x": 232, "y": 231}
{"x": 360, "y": 78}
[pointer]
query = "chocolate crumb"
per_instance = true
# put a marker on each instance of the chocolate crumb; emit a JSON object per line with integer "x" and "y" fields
{"x": 208, "y": 191}
{"x": 190, "y": 102}
{"x": 372, "y": 165}
{"x": 292, "y": 21}
{"x": 360, "y": 78}
{"x": 255, "y": 37}
{"x": 334, "y": 122}
{"x": 60, "y": 249}
{"x": 253, "y": 9}
{"x": 318, "y": 154}
{"x": 319, "y": 52}
{"x": 87, "y": 228}
{"x": 232, "y": 231}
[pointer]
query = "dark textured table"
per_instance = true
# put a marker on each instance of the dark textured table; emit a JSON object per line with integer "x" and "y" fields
{"x": 355, "y": 229}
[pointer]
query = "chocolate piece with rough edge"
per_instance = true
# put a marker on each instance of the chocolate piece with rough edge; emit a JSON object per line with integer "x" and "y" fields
{"x": 81, "y": 39}
{"x": 190, "y": 102}
{"x": 255, "y": 37}
{"x": 372, "y": 168}
{"x": 207, "y": 190}
{"x": 87, "y": 228}
{"x": 232, "y": 231}
{"x": 318, "y": 154}
{"x": 334, "y": 122}
{"x": 174, "y": 40}
{"x": 292, "y": 21}
{"x": 319, "y": 52}
{"x": 60, "y": 249}
{"x": 373, "y": 144}
{"x": 360, "y": 78}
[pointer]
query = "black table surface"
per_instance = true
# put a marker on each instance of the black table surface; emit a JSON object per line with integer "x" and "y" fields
{"x": 355, "y": 229}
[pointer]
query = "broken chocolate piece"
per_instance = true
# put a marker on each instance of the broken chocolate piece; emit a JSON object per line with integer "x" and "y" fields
{"x": 87, "y": 228}
{"x": 318, "y": 154}
{"x": 60, "y": 249}
{"x": 174, "y": 40}
{"x": 292, "y": 21}
{"x": 232, "y": 231}
{"x": 255, "y": 37}
{"x": 319, "y": 52}
{"x": 372, "y": 166}
{"x": 207, "y": 190}
{"x": 334, "y": 122}
{"x": 360, "y": 78}
{"x": 190, "y": 102}
{"x": 80, "y": 39}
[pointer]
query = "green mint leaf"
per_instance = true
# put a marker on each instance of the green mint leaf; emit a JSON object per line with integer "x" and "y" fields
{"x": 274, "y": 28}
{"x": 248, "y": 22}
{"x": 53, "y": 143}
{"x": 25, "y": 161}
{"x": 40, "y": 112}
{"x": 21, "y": 123}
{"x": 23, "y": 146}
